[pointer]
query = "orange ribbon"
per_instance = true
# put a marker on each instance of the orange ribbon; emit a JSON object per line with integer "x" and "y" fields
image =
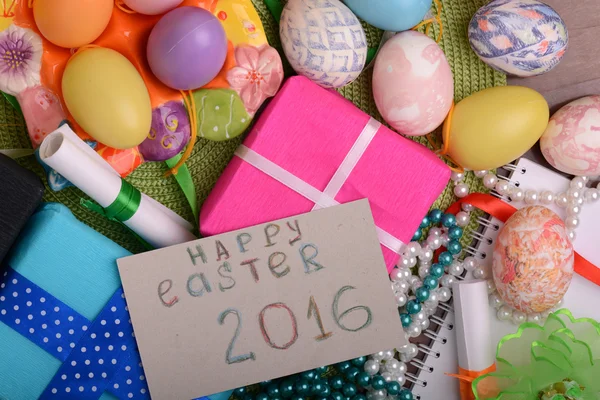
{"x": 190, "y": 104}
{"x": 429, "y": 22}
{"x": 467, "y": 377}
{"x": 503, "y": 211}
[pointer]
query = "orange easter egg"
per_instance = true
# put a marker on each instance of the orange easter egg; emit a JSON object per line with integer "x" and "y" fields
{"x": 72, "y": 23}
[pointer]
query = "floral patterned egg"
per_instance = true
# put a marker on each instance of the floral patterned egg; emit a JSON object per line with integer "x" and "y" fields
{"x": 519, "y": 37}
{"x": 412, "y": 83}
{"x": 169, "y": 133}
{"x": 571, "y": 142}
{"x": 533, "y": 260}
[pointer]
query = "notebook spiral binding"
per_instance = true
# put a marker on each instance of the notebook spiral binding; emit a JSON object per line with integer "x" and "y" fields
{"x": 509, "y": 173}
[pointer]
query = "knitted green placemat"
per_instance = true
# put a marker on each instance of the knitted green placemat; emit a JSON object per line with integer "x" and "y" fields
{"x": 210, "y": 158}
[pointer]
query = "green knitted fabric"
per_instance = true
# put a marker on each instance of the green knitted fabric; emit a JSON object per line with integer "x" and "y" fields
{"x": 210, "y": 158}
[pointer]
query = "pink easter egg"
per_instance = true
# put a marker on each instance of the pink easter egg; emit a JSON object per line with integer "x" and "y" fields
{"x": 571, "y": 142}
{"x": 152, "y": 7}
{"x": 412, "y": 83}
{"x": 533, "y": 260}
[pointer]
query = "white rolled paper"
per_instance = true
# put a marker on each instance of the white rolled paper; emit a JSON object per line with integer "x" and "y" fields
{"x": 71, "y": 157}
{"x": 476, "y": 350}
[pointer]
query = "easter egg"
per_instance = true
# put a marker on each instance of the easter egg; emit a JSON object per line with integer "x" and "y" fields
{"x": 107, "y": 97}
{"x": 169, "y": 134}
{"x": 571, "y": 142}
{"x": 152, "y": 7}
{"x": 187, "y": 48}
{"x": 533, "y": 260}
{"x": 412, "y": 83}
{"x": 495, "y": 126}
{"x": 221, "y": 114}
{"x": 72, "y": 23}
{"x": 390, "y": 15}
{"x": 519, "y": 37}
{"x": 324, "y": 41}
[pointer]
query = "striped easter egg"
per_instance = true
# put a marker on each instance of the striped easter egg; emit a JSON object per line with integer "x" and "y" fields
{"x": 519, "y": 37}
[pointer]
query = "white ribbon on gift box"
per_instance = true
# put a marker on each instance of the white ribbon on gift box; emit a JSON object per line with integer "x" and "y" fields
{"x": 327, "y": 197}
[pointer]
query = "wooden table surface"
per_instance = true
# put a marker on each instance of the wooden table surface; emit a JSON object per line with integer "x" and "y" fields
{"x": 578, "y": 74}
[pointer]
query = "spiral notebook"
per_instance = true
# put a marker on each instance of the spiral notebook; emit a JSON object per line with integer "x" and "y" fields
{"x": 431, "y": 383}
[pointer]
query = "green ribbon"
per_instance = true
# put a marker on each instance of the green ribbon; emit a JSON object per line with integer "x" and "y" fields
{"x": 123, "y": 208}
{"x": 13, "y": 101}
{"x": 185, "y": 181}
{"x": 275, "y": 7}
{"x": 125, "y": 205}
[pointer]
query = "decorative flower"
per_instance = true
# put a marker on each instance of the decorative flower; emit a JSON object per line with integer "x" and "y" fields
{"x": 559, "y": 361}
{"x": 20, "y": 59}
{"x": 257, "y": 76}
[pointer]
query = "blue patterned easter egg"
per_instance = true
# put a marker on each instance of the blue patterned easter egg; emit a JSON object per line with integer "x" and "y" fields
{"x": 519, "y": 37}
{"x": 324, "y": 41}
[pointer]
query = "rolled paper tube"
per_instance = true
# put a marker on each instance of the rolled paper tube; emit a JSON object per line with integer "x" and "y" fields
{"x": 473, "y": 333}
{"x": 64, "y": 151}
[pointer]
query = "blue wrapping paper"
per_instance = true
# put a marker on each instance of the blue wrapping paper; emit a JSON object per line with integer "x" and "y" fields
{"x": 60, "y": 286}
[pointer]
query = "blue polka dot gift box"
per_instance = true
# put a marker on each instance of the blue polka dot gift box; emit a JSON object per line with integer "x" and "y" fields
{"x": 65, "y": 331}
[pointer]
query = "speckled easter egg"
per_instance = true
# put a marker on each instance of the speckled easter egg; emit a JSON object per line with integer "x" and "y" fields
{"x": 324, "y": 41}
{"x": 221, "y": 114}
{"x": 519, "y": 37}
{"x": 533, "y": 260}
{"x": 412, "y": 83}
{"x": 571, "y": 142}
{"x": 169, "y": 133}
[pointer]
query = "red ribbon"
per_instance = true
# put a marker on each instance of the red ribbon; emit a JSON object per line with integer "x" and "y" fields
{"x": 503, "y": 211}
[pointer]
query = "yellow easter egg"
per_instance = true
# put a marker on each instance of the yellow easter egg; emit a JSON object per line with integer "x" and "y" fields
{"x": 495, "y": 126}
{"x": 107, "y": 97}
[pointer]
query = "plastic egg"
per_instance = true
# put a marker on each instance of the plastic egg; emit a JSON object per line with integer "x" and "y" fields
{"x": 169, "y": 134}
{"x": 187, "y": 48}
{"x": 323, "y": 41}
{"x": 533, "y": 260}
{"x": 152, "y": 7}
{"x": 495, "y": 126}
{"x": 571, "y": 142}
{"x": 72, "y": 23}
{"x": 412, "y": 83}
{"x": 390, "y": 15}
{"x": 107, "y": 97}
{"x": 519, "y": 37}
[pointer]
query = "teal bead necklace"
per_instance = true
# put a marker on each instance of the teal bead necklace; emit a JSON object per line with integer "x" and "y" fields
{"x": 344, "y": 381}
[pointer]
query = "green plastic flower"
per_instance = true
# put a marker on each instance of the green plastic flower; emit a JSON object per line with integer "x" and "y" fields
{"x": 557, "y": 361}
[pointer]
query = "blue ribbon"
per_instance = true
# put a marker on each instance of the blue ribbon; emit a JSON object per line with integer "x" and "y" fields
{"x": 98, "y": 356}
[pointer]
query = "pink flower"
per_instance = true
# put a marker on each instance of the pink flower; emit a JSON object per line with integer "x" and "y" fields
{"x": 257, "y": 76}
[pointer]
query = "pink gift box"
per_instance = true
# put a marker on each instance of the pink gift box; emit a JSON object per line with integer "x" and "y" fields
{"x": 305, "y": 135}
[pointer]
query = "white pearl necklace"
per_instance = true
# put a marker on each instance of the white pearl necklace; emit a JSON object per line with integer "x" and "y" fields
{"x": 572, "y": 200}
{"x": 404, "y": 285}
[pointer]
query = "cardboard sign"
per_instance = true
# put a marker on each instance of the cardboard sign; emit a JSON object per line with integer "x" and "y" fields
{"x": 261, "y": 303}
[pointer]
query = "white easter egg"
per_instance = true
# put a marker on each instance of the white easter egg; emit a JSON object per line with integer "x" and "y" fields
{"x": 571, "y": 142}
{"x": 412, "y": 83}
{"x": 324, "y": 41}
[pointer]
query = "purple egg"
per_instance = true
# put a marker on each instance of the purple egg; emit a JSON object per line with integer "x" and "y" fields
{"x": 187, "y": 48}
{"x": 169, "y": 133}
